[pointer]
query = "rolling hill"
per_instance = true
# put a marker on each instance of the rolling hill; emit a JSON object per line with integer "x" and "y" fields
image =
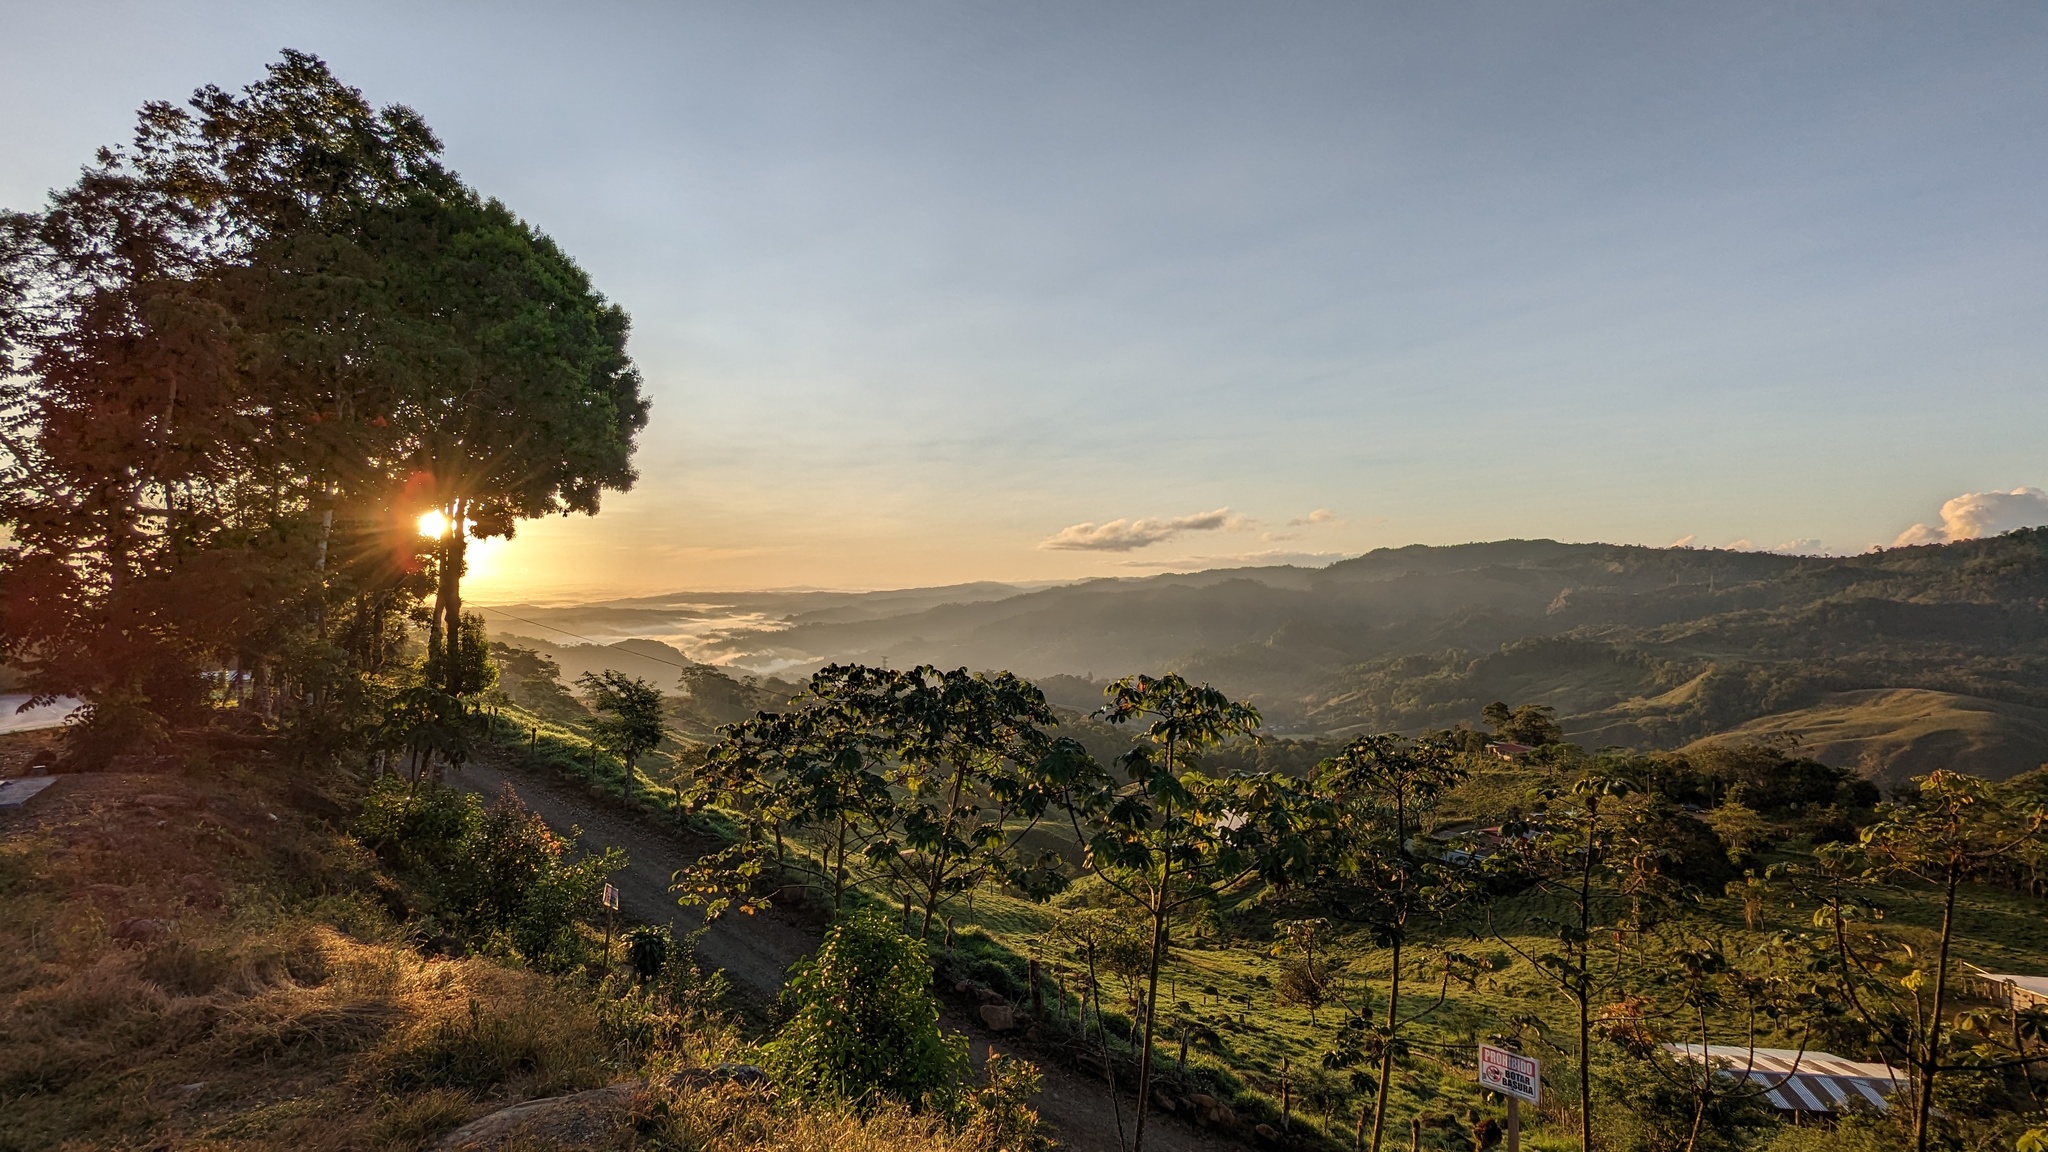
{"x": 1890, "y": 661}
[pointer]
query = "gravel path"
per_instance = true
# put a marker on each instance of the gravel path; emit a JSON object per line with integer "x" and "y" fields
{"x": 755, "y": 951}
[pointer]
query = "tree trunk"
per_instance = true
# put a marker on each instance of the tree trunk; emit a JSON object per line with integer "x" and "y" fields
{"x": 1379, "y": 1104}
{"x": 1930, "y": 1063}
{"x": 1151, "y": 1007}
{"x": 1585, "y": 997}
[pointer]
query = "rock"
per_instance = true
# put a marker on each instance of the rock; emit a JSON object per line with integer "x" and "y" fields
{"x": 745, "y": 1075}
{"x": 1266, "y": 1132}
{"x": 989, "y": 995}
{"x": 139, "y": 931}
{"x": 107, "y": 891}
{"x": 1165, "y": 1101}
{"x": 1212, "y": 1111}
{"x": 578, "y": 1120}
{"x": 201, "y": 891}
{"x": 999, "y": 1017}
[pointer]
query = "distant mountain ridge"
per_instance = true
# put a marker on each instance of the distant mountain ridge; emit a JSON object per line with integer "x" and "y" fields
{"x": 1647, "y": 647}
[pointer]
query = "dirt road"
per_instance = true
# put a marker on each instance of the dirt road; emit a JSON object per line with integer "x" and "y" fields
{"x": 755, "y": 951}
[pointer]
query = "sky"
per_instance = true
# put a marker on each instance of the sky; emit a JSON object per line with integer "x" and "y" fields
{"x": 930, "y": 293}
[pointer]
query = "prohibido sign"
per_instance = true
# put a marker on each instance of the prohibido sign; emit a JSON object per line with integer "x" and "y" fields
{"x": 1510, "y": 1073}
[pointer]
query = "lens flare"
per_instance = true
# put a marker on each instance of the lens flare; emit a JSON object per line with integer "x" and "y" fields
{"x": 433, "y": 524}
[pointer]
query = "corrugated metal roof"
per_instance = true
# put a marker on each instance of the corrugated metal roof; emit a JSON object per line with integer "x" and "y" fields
{"x": 1795, "y": 1081}
{"x": 2037, "y": 985}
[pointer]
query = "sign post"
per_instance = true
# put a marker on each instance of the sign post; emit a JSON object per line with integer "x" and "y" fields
{"x": 1514, "y": 1076}
{"x": 611, "y": 908}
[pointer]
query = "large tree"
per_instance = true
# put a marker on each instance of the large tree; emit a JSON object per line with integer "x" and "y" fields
{"x": 241, "y": 357}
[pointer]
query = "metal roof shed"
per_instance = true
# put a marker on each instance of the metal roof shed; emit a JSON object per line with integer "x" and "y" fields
{"x": 1810, "y": 1083}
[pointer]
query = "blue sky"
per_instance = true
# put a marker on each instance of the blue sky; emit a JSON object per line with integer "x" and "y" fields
{"x": 918, "y": 287}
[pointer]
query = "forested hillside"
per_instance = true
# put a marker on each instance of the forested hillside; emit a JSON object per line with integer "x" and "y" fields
{"x": 1646, "y": 647}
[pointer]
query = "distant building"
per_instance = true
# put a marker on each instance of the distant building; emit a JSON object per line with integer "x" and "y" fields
{"x": 1509, "y": 750}
{"x": 2007, "y": 989}
{"x": 1802, "y": 1083}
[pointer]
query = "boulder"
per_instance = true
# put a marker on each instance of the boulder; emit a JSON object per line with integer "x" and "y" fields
{"x": 1266, "y": 1131}
{"x": 999, "y": 1017}
{"x": 577, "y": 1120}
{"x": 1212, "y": 1111}
{"x": 201, "y": 891}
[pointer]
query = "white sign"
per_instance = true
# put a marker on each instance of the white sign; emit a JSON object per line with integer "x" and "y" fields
{"x": 611, "y": 897}
{"x": 1510, "y": 1073}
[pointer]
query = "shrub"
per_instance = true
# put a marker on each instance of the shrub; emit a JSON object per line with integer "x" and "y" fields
{"x": 490, "y": 871}
{"x": 863, "y": 1025}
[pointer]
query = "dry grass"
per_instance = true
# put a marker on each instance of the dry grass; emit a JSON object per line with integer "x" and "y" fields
{"x": 741, "y": 1121}
{"x": 273, "y": 1001}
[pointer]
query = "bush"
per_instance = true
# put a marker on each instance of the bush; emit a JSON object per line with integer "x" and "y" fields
{"x": 863, "y": 1025}
{"x": 491, "y": 872}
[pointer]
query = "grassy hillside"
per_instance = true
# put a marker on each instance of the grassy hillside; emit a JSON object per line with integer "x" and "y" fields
{"x": 1895, "y": 734}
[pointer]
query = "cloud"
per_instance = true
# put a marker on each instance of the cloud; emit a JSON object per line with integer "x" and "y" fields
{"x": 1804, "y": 546}
{"x": 1124, "y": 535}
{"x": 1319, "y": 516}
{"x": 1271, "y": 557}
{"x": 1975, "y": 514}
{"x": 1685, "y": 541}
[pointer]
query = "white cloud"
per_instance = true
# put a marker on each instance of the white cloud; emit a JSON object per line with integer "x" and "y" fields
{"x": 1122, "y": 535}
{"x": 1685, "y": 541}
{"x": 1976, "y": 514}
{"x": 1319, "y": 516}
{"x": 1804, "y": 546}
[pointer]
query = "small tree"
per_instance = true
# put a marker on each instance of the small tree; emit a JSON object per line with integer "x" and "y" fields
{"x": 629, "y": 715}
{"x": 1174, "y": 837}
{"x": 1580, "y": 851}
{"x": 863, "y": 1025}
{"x": 1370, "y": 801}
{"x": 968, "y": 750}
{"x": 1951, "y": 831}
{"x": 1306, "y": 977}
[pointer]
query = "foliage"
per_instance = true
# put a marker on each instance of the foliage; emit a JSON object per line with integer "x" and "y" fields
{"x": 862, "y": 1026}
{"x": 925, "y": 782}
{"x": 1952, "y": 829}
{"x": 494, "y": 873}
{"x": 533, "y": 681}
{"x": 1172, "y": 836}
{"x": 629, "y": 716}
{"x": 241, "y": 356}
{"x": 1530, "y": 724}
{"x": 1369, "y": 803}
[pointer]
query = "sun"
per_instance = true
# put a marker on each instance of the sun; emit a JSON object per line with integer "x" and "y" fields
{"x": 433, "y": 524}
